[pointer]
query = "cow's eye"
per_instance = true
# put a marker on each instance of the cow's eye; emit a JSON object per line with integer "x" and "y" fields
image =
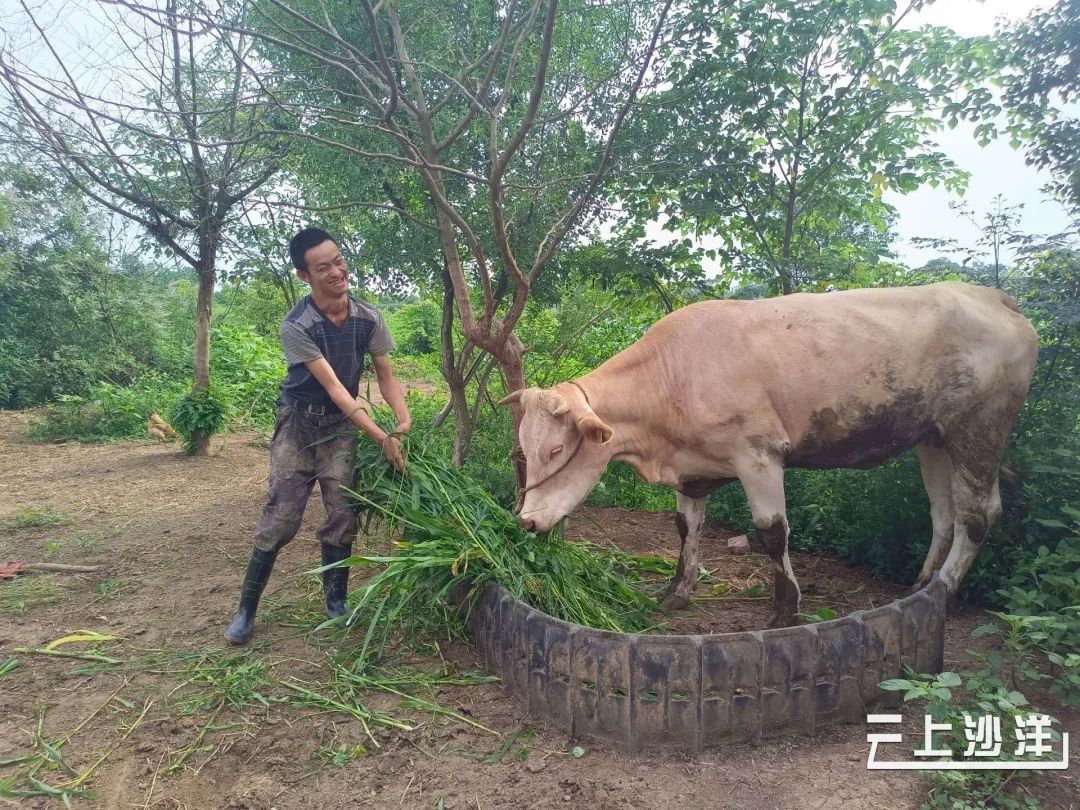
{"x": 555, "y": 452}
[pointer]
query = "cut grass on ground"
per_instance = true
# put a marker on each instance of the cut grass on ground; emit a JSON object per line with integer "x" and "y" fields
{"x": 25, "y": 593}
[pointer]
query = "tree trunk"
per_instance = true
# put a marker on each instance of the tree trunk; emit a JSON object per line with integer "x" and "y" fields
{"x": 513, "y": 370}
{"x": 463, "y": 423}
{"x": 455, "y": 376}
{"x": 203, "y": 311}
{"x": 786, "y": 286}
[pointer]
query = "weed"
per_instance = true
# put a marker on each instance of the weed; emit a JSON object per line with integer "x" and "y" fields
{"x": 112, "y": 588}
{"x": 514, "y": 745}
{"x": 987, "y": 694}
{"x": 52, "y": 547}
{"x": 32, "y": 517}
{"x": 822, "y": 614}
{"x": 1040, "y": 628}
{"x": 211, "y": 682}
{"x": 88, "y": 542}
{"x": 339, "y": 755}
{"x": 215, "y": 679}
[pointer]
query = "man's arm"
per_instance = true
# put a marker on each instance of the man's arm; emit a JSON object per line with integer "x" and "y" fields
{"x": 391, "y": 392}
{"x": 321, "y": 371}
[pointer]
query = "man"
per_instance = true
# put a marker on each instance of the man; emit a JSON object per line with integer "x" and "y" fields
{"x": 325, "y": 337}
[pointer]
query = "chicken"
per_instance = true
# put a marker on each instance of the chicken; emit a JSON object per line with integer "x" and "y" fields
{"x": 159, "y": 429}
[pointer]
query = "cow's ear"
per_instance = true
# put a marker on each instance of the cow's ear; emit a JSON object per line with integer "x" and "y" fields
{"x": 594, "y": 429}
{"x": 512, "y": 397}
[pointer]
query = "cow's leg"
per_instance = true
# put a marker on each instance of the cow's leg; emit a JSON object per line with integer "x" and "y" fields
{"x": 764, "y": 485}
{"x": 937, "y": 473}
{"x": 975, "y": 513}
{"x": 976, "y": 458}
{"x": 690, "y": 519}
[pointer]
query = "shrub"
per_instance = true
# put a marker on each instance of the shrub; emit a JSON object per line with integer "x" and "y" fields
{"x": 201, "y": 412}
{"x": 416, "y": 327}
{"x": 109, "y": 412}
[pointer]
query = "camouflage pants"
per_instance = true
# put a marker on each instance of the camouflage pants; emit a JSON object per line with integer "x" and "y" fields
{"x": 307, "y": 448}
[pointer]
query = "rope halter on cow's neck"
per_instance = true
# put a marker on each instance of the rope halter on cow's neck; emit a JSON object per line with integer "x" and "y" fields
{"x": 571, "y": 457}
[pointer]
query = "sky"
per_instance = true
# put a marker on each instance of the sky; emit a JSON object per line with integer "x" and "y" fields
{"x": 995, "y": 169}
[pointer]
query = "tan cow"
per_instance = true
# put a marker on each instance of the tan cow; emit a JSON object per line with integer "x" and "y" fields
{"x": 725, "y": 390}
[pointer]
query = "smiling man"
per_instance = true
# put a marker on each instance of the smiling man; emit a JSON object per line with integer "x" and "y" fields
{"x": 325, "y": 337}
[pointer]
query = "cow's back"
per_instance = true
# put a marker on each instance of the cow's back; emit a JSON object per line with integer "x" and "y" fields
{"x": 864, "y": 372}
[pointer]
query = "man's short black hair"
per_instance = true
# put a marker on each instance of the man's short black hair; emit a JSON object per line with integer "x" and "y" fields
{"x": 305, "y": 241}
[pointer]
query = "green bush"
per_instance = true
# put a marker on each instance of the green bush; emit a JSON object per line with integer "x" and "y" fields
{"x": 246, "y": 369}
{"x": 416, "y": 327}
{"x": 621, "y": 486}
{"x": 109, "y": 412}
{"x": 1041, "y": 620}
{"x": 878, "y": 518}
{"x": 425, "y": 367}
{"x": 953, "y": 699}
{"x": 202, "y": 412}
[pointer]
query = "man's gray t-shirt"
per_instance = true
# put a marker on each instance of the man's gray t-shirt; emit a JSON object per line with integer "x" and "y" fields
{"x": 307, "y": 334}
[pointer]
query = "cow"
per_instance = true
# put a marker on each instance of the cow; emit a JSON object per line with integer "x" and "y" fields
{"x": 729, "y": 390}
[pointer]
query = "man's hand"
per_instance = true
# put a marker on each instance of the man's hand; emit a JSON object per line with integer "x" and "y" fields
{"x": 404, "y": 427}
{"x": 394, "y": 453}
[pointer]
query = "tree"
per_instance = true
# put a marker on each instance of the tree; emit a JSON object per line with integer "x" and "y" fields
{"x": 998, "y": 228}
{"x": 1040, "y": 74}
{"x": 490, "y": 125}
{"x": 177, "y": 143}
{"x": 56, "y": 270}
{"x": 664, "y": 277}
{"x": 262, "y": 237}
{"x": 787, "y": 119}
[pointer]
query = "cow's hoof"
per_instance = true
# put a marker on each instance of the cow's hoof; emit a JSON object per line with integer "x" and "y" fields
{"x": 952, "y": 587}
{"x": 782, "y": 620}
{"x": 921, "y": 582}
{"x": 673, "y": 601}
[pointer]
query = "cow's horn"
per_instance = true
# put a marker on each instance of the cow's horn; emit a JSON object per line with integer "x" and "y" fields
{"x": 511, "y": 398}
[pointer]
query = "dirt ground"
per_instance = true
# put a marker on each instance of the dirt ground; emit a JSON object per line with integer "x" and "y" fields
{"x": 171, "y": 536}
{"x": 722, "y": 603}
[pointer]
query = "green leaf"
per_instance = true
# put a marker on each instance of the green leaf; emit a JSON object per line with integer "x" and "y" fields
{"x": 1050, "y": 523}
{"x": 895, "y": 684}
{"x": 577, "y": 752}
{"x": 948, "y": 679}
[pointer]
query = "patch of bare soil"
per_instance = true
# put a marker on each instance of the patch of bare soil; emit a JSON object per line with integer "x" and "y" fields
{"x": 171, "y": 536}
{"x": 721, "y": 603}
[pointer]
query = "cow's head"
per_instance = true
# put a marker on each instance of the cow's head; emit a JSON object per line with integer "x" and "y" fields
{"x": 566, "y": 446}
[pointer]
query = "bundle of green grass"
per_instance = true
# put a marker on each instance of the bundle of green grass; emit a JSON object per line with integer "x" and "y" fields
{"x": 455, "y": 536}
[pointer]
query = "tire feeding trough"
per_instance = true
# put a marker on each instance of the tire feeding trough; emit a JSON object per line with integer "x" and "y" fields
{"x": 690, "y": 692}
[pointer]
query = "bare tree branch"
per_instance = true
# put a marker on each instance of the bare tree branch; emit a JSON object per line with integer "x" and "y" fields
{"x": 555, "y": 236}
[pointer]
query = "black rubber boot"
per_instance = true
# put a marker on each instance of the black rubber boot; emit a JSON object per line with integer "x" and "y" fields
{"x": 258, "y": 572}
{"x": 335, "y": 582}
